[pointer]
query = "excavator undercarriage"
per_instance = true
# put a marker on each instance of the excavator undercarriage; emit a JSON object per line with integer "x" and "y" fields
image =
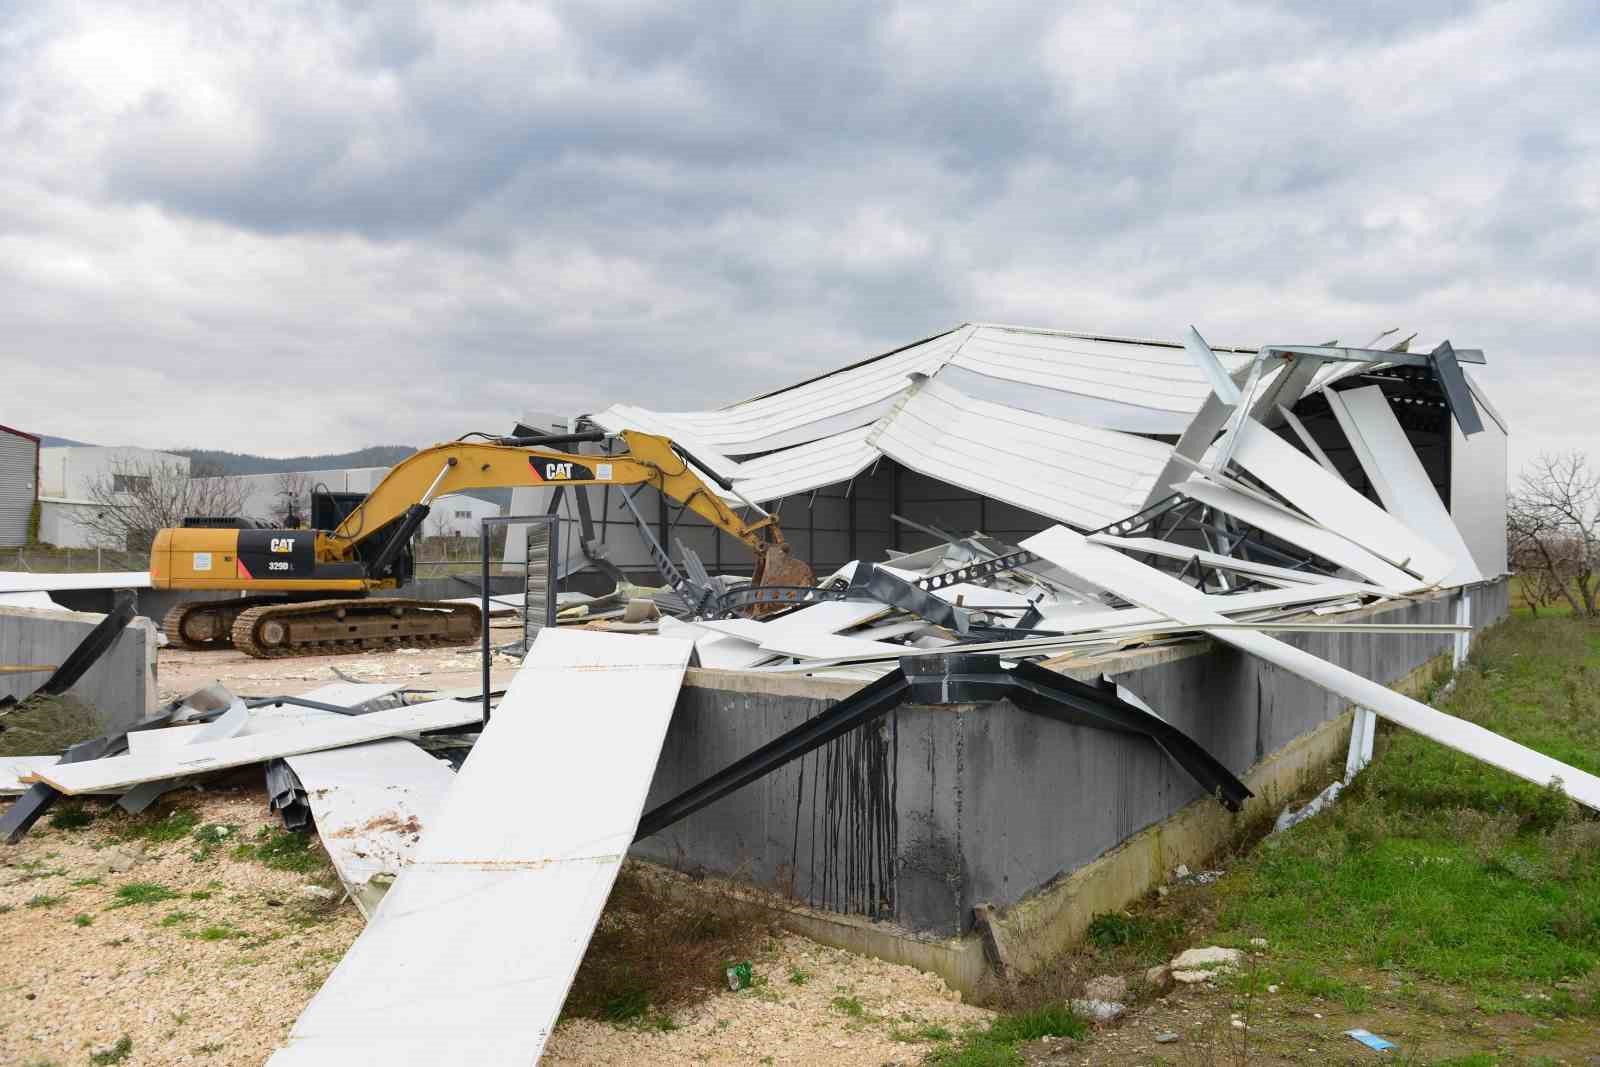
{"x": 273, "y": 628}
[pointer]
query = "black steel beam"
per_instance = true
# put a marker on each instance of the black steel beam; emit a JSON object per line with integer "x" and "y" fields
{"x": 867, "y": 704}
{"x": 958, "y": 678}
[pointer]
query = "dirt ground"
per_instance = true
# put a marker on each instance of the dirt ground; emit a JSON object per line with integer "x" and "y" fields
{"x": 179, "y": 672}
{"x": 810, "y": 1004}
{"x": 209, "y": 959}
{"x": 213, "y": 964}
{"x": 213, "y": 973}
{"x": 211, "y": 956}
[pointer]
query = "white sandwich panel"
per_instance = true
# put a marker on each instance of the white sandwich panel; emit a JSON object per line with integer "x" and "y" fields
{"x": 1380, "y": 444}
{"x": 372, "y": 803}
{"x": 1149, "y": 375}
{"x": 13, "y": 768}
{"x": 470, "y": 956}
{"x": 1151, "y": 589}
{"x": 1309, "y": 536}
{"x": 119, "y": 773}
{"x": 1265, "y": 571}
{"x": 1329, "y": 500}
{"x": 844, "y": 399}
{"x": 28, "y": 582}
{"x": 1077, "y": 474}
{"x": 801, "y": 469}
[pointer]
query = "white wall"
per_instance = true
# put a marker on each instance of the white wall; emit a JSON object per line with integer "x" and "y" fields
{"x": 59, "y": 524}
{"x": 67, "y": 472}
{"x": 1478, "y": 493}
{"x": 458, "y": 516}
{"x": 263, "y": 492}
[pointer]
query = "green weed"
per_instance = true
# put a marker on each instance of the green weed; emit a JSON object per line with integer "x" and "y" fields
{"x": 75, "y": 817}
{"x": 115, "y": 1054}
{"x": 161, "y": 827}
{"x": 283, "y": 851}
{"x": 141, "y": 893}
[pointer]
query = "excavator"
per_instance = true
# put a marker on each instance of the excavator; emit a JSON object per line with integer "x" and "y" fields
{"x": 318, "y": 581}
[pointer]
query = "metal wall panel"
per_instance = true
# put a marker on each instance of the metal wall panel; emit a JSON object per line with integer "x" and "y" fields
{"x": 19, "y": 469}
{"x": 1478, "y": 493}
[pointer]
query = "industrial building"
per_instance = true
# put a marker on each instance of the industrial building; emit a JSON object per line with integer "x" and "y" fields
{"x": 19, "y": 485}
{"x": 70, "y": 480}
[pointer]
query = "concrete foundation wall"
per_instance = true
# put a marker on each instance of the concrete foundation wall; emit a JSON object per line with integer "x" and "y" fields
{"x": 120, "y": 687}
{"x": 917, "y": 818}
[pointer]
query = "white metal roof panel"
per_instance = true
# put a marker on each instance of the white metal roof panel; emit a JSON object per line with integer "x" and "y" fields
{"x": 1308, "y": 535}
{"x": 1153, "y": 376}
{"x": 1149, "y": 588}
{"x": 804, "y": 467}
{"x": 1330, "y": 501}
{"x": 753, "y": 425}
{"x": 1403, "y": 485}
{"x": 1076, "y": 474}
{"x": 469, "y": 957}
{"x": 28, "y": 582}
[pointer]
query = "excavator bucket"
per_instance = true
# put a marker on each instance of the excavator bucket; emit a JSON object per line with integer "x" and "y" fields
{"x": 776, "y": 565}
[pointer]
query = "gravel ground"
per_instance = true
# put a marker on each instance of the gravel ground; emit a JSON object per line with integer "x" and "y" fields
{"x": 215, "y": 981}
{"x": 180, "y": 672}
{"x": 217, "y": 973}
{"x": 844, "y": 1010}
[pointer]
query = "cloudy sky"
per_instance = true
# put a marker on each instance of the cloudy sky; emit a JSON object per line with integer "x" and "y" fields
{"x": 284, "y": 229}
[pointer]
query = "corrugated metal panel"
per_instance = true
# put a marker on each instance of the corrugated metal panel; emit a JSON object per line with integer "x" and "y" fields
{"x": 1077, "y": 474}
{"x": 754, "y": 425}
{"x": 1153, "y": 376}
{"x": 19, "y": 466}
{"x": 805, "y": 467}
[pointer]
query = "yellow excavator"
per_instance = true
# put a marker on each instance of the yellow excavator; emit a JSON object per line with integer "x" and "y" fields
{"x": 321, "y": 578}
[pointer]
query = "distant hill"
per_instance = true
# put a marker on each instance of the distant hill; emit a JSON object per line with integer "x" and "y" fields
{"x": 213, "y": 460}
{"x": 243, "y": 463}
{"x": 376, "y": 456}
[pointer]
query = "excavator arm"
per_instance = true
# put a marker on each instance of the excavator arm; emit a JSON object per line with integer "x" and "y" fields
{"x": 407, "y": 490}
{"x": 365, "y": 552}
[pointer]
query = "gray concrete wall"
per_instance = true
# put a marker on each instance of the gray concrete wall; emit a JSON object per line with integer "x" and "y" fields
{"x": 934, "y": 809}
{"x": 120, "y": 687}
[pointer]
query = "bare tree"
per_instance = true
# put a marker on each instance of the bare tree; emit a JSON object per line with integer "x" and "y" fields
{"x": 1553, "y": 530}
{"x": 292, "y": 506}
{"x": 138, "y": 497}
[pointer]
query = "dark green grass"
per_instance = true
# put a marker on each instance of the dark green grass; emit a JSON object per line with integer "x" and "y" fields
{"x": 1436, "y": 865}
{"x": 996, "y": 1045}
{"x": 284, "y": 851}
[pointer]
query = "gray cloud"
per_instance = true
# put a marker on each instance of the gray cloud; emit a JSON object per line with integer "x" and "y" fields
{"x": 276, "y": 227}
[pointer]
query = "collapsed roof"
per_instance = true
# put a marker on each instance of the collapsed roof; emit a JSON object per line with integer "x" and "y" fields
{"x": 1091, "y": 431}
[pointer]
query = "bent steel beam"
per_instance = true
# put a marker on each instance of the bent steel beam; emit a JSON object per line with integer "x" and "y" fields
{"x": 959, "y": 678}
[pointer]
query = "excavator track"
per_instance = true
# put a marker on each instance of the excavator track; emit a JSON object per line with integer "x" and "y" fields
{"x": 329, "y": 627}
{"x": 206, "y": 625}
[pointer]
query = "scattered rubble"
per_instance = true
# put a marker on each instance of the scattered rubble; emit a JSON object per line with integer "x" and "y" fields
{"x": 1196, "y": 965}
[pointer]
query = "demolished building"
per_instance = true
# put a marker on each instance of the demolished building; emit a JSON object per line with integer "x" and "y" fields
{"x": 1083, "y": 603}
{"x": 1341, "y": 487}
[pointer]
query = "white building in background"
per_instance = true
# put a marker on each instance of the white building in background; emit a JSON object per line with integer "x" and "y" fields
{"x": 68, "y": 475}
{"x": 454, "y": 515}
{"x": 269, "y": 497}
